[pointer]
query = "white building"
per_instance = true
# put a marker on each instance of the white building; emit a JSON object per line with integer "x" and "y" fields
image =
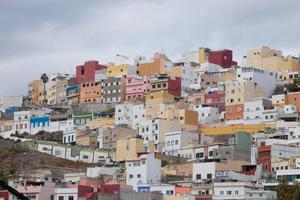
{"x": 233, "y": 190}
{"x": 261, "y": 77}
{"x": 66, "y": 193}
{"x": 69, "y": 136}
{"x": 155, "y": 130}
{"x": 206, "y": 114}
{"x": 130, "y": 114}
{"x": 22, "y": 120}
{"x": 191, "y": 56}
{"x": 145, "y": 170}
{"x": 261, "y": 195}
{"x": 253, "y": 110}
{"x": 176, "y": 140}
{"x": 203, "y": 171}
{"x": 10, "y": 101}
{"x": 187, "y": 72}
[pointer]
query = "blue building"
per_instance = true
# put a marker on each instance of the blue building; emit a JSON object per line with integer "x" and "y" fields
{"x": 36, "y": 122}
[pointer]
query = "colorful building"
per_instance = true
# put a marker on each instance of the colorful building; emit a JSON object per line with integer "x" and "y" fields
{"x": 120, "y": 70}
{"x": 136, "y": 87}
{"x": 163, "y": 82}
{"x": 159, "y": 65}
{"x": 223, "y": 58}
{"x": 90, "y": 92}
{"x": 153, "y": 101}
{"x": 271, "y": 60}
{"x": 86, "y": 72}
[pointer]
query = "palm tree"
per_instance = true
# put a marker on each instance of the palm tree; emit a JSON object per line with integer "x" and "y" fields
{"x": 45, "y": 79}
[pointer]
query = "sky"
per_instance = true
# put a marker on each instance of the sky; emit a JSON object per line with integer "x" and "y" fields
{"x": 50, "y": 36}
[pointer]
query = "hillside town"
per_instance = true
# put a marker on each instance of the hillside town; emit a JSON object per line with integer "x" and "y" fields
{"x": 201, "y": 127}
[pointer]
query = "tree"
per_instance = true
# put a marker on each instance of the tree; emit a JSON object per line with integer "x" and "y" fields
{"x": 286, "y": 191}
{"x": 45, "y": 79}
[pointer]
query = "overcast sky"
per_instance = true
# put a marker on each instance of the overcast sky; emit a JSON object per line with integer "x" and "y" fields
{"x": 51, "y": 36}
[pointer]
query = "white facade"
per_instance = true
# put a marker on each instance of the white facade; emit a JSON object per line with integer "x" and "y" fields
{"x": 10, "y": 101}
{"x": 66, "y": 193}
{"x": 290, "y": 109}
{"x": 206, "y": 114}
{"x": 203, "y": 171}
{"x": 263, "y": 78}
{"x": 165, "y": 189}
{"x": 278, "y": 99}
{"x": 191, "y": 56}
{"x": 69, "y": 136}
{"x": 233, "y": 190}
{"x": 145, "y": 170}
{"x": 130, "y": 114}
{"x": 174, "y": 141}
{"x": 253, "y": 110}
{"x": 21, "y": 121}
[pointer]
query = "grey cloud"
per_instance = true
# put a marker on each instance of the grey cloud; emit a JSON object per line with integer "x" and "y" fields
{"x": 54, "y": 35}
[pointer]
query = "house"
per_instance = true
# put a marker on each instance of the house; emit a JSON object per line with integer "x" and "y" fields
{"x": 129, "y": 148}
{"x": 108, "y": 137}
{"x": 113, "y": 90}
{"x": 135, "y": 87}
{"x": 90, "y": 92}
{"x": 218, "y": 57}
{"x": 87, "y": 71}
{"x": 144, "y": 170}
{"x": 158, "y": 65}
{"x": 271, "y": 59}
{"x": 176, "y": 140}
{"x": 234, "y": 190}
{"x": 130, "y": 114}
{"x": 66, "y": 193}
{"x": 236, "y": 94}
{"x": 207, "y": 114}
{"x": 155, "y": 130}
{"x": 165, "y": 83}
{"x": 10, "y": 101}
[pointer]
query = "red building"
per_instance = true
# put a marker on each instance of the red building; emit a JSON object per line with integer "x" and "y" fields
{"x": 4, "y": 195}
{"x": 249, "y": 170}
{"x": 264, "y": 157}
{"x": 215, "y": 99}
{"x": 164, "y": 82}
{"x": 86, "y": 72}
{"x": 222, "y": 58}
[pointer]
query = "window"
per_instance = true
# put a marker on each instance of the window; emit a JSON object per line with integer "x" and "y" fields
{"x": 228, "y": 192}
{"x": 130, "y": 175}
{"x": 210, "y": 153}
{"x": 221, "y": 192}
{"x": 209, "y": 176}
{"x": 169, "y": 192}
{"x": 198, "y": 176}
{"x": 200, "y": 155}
{"x": 61, "y": 198}
{"x": 138, "y": 176}
{"x": 236, "y": 192}
{"x": 70, "y": 198}
{"x": 176, "y": 142}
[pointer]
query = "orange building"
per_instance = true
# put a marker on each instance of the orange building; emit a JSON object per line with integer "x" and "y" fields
{"x": 157, "y": 66}
{"x": 182, "y": 190}
{"x": 235, "y": 112}
{"x": 294, "y": 98}
{"x": 90, "y": 92}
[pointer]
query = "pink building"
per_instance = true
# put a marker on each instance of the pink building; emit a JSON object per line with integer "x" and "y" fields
{"x": 135, "y": 87}
{"x": 38, "y": 191}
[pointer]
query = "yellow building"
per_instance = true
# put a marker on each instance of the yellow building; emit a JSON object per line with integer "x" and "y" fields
{"x": 174, "y": 112}
{"x": 154, "y": 101}
{"x": 128, "y": 149}
{"x": 271, "y": 60}
{"x": 120, "y": 70}
{"x": 98, "y": 122}
{"x": 88, "y": 140}
{"x": 36, "y": 91}
{"x": 155, "y": 66}
{"x": 203, "y": 55}
{"x": 236, "y": 93}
